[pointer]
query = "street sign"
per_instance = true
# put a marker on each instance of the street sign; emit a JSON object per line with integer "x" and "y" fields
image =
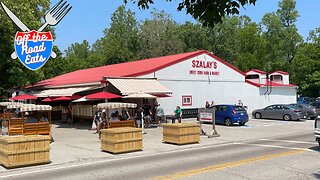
{"x": 208, "y": 115}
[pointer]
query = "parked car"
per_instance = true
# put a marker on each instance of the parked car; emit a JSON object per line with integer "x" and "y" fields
{"x": 315, "y": 104}
{"x": 317, "y": 129}
{"x": 230, "y": 114}
{"x": 311, "y": 111}
{"x": 279, "y": 111}
{"x": 303, "y": 100}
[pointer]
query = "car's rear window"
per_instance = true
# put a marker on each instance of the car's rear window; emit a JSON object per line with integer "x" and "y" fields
{"x": 317, "y": 105}
{"x": 239, "y": 108}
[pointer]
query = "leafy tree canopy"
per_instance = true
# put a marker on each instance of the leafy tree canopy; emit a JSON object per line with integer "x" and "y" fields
{"x": 209, "y": 12}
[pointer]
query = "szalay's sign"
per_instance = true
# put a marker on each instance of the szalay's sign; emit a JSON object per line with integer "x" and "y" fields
{"x": 34, "y": 48}
{"x": 208, "y": 68}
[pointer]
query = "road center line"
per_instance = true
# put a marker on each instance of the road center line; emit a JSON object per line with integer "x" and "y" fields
{"x": 288, "y": 141}
{"x": 226, "y": 165}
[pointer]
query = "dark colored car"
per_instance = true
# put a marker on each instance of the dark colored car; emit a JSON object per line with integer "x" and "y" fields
{"x": 317, "y": 129}
{"x": 279, "y": 111}
{"x": 316, "y": 105}
{"x": 230, "y": 114}
{"x": 311, "y": 111}
{"x": 303, "y": 100}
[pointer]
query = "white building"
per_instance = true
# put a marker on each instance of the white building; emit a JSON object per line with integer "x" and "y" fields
{"x": 191, "y": 78}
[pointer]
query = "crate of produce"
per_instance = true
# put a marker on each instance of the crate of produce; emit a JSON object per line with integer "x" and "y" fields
{"x": 120, "y": 140}
{"x": 181, "y": 133}
{"x": 17, "y": 151}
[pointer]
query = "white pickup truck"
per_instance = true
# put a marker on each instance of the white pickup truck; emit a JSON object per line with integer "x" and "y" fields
{"x": 317, "y": 129}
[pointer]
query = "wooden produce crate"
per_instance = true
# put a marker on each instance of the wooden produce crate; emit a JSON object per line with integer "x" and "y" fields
{"x": 181, "y": 133}
{"x": 120, "y": 140}
{"x": 17, "y": 151}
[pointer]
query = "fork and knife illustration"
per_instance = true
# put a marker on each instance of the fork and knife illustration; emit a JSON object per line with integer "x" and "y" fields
{"x": 52, "y": 18}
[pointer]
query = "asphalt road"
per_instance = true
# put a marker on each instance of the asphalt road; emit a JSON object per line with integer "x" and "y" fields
{"x": 289, "y": 156}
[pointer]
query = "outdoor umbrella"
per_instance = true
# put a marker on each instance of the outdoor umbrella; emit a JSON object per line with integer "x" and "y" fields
{"x": 102, "y": 95}
{"x": 23, "y": 97}
{"x": 62, "y": 98}
{"x": 47, "y": 100}
{"x": 140, "y": 96}
{"x": 73, "y": 97}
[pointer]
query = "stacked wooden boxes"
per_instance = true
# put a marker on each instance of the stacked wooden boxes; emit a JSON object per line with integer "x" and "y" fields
{"x": 16, "y": 151}
{"x": 120, "y": 140}
{"x": 181, "y": 133}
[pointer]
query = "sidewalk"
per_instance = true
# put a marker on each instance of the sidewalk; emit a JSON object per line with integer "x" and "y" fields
{"x": 76, "y": 144}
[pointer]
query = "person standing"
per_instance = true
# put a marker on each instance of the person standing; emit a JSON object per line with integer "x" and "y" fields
{"x": 147, "y": 115}
{"x": 139, "y": 117}
{"x": 177, "y": 114}
{"x": 212, "y": 104}
{"x": 160, "y": 114}
{"x": 207, "y": 105}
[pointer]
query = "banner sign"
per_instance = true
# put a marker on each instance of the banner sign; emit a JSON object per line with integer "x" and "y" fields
{"x": 34, "y": 48}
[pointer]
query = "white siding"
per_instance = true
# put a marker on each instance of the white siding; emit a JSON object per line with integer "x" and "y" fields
{"x": 226, "y": 88}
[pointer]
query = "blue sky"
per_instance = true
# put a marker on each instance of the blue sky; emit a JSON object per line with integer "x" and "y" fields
{"x": 88, "y": 19}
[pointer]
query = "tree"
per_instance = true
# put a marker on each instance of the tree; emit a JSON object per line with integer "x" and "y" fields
{"x": 77, "y": 56}
{"x": 305, "y": 69}
{"x": 159, "y": 36}
{"x": 209, "y": 12}
{"x": 281, "y": 35}
{"x": 195, "y": 37}
{"x": 119, "y": 43}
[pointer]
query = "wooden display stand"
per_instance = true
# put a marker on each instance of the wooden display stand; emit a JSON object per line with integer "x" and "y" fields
{"x": 181, "y": 133}
{"x": 17, "y": 151}
{"x": 120, "y": 140}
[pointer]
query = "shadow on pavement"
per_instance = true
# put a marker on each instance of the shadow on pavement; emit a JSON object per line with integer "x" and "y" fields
{"x": 316, "y": 175}
{"x": 84, "y": 125}
{"x": 315, "y": 148}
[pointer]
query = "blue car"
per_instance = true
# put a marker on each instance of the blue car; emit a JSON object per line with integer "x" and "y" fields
{"x": 230, "y": 114}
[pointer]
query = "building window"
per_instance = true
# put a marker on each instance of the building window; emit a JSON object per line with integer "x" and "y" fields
{"x": 276, "y": 78}
{"x": 252, "y": 76}
{"x": 186, "y": 100}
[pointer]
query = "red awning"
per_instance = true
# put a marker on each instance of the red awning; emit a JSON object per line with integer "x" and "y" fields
{"x": 62, "y": 98}
{"x": 23, "y": 97}
{"x": 102, "y": 95}
{"x": 47, "y": 100}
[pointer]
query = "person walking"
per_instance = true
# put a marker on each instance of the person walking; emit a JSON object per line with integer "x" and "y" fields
{"x": 160, "y": 114}
{"x": 177, "y": 114}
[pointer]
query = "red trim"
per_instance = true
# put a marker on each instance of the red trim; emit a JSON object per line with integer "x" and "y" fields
{"x": 256, "y": 70}
{"x": 273, "y": 84}
{"x": 252, "y": 83}
{"x": 280, "y": 72}
{"x": 226, "y": 63}
{"x": 185, "y": 104}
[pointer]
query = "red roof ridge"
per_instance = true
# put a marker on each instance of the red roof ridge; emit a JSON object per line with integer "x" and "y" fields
{"x": 257, "y": 70}
{"x": 280, "y": 72}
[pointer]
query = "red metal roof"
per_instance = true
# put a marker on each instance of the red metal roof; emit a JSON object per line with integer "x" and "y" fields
{"x": 270, "y": 83}
{"x": 280, "y": 72}
{"x": 128, "y": 69}
{"x": 257, "y": 70}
